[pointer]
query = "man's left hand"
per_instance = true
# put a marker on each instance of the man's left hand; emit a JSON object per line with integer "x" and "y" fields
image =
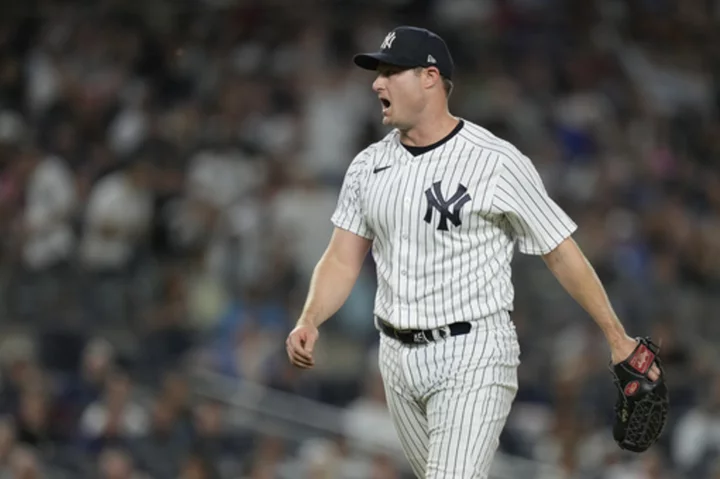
{"x": 622, "y": 351}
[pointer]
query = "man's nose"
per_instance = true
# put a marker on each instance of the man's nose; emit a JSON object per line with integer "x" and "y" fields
{"x": 378, "y": 84}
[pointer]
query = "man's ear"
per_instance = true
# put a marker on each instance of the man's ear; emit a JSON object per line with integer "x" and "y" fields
{"x": 431, "y": 77}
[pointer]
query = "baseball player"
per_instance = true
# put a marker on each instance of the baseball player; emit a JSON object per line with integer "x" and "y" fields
{"x": 442, "y": 203}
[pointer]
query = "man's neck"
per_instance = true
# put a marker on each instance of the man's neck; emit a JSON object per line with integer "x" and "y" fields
{"x": 426, "y": 133}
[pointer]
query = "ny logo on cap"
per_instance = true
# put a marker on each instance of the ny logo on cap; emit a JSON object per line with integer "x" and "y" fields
{"x": 387, "y": 43}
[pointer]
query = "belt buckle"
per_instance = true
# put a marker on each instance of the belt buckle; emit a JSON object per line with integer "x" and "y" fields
{"x": 420, "y": 338}
{"x": 444, "y": 332}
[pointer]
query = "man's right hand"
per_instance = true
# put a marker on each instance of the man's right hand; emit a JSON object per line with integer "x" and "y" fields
{"x": 300, "y": 344}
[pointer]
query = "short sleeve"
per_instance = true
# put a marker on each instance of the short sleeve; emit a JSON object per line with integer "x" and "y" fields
{"x": 349, "y": 214}
{"x": 538, "y": 223}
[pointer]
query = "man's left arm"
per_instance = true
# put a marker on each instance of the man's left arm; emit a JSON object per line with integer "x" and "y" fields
{"x": 542, "y": 228}
{"x": 575, "y": 273}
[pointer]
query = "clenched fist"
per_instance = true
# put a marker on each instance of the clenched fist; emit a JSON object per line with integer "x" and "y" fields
{"x": 299, "y": 345}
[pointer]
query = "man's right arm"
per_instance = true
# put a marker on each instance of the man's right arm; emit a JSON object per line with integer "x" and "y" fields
{"x": 334, "y": 276}
{"x": 338, "y": 269}
{"x": 333, "y": 279}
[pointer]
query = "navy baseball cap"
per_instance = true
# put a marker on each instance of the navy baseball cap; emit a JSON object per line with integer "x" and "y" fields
{"x": 410, "y": 47}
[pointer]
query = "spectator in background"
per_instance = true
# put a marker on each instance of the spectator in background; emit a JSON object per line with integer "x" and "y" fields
{"x": 335, "y": 107}
{"x": 25, "y": 464}
{"x": 115, "y": 463}
{"x": 33, "y": 419}
{"x": 321, "y": 459}
{"x": 222, "y": 213}
{"x": 97, "y": 364}
{"x": 651, "y": 465}
{"x": 20, "y": 371}
{"x": 211, "y": 435}
{"x": 197, "y": 467}
{"x": 367, "y": 418}
{"x": 130, "y": 127}
{"x": 165, "y": 335}
{"x": 384, "y": 467}
{"x": 118, "y": 217}
{"x": 7, "y": 443}
{"x": 696, "y": 442}
{"x": 270, "y": 460}
{"x": 116, "y": 417}
{"x": 175, "y": 393}
{"x": 47, "y": 235}
{"x": 166, "y": 438}
{"x": 245, "y": 340}
{"x": 50, "y": 206}
{"x": 337, "y": 459}
{"x": 300, "y": 210}
{"x": 117, "y": 220}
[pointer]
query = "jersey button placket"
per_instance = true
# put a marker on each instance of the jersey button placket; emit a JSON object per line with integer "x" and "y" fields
{"x": 400, "y": 275}
{"x": 403, "y": 254}
{"x": 404, "y": 260}
{"x": 397, "y": 278}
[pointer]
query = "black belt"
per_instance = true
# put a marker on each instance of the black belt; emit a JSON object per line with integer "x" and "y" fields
{"x": 422, "y": 336}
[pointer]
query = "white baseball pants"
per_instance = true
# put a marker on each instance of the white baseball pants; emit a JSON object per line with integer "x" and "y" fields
{"x": 450, "y": 399}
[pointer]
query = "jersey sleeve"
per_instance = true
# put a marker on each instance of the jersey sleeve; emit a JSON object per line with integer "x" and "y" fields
{"x": 538, "y": 223}
{"x": 349, "y": 214}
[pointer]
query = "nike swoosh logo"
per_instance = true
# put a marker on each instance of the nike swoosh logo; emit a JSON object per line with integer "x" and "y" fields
{"x": 378, "y": 169}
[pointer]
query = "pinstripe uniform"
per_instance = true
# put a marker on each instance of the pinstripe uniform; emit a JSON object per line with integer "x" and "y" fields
{"x": 444, "y": 221}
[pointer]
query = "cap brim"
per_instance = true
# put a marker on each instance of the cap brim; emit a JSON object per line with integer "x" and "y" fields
{"x": 370, "y": 61}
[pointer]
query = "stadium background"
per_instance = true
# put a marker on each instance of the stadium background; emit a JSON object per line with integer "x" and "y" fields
{"x": 168, "y": 169}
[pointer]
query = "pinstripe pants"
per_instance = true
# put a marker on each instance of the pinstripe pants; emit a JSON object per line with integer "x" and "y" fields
{"x": 449, "y": 399}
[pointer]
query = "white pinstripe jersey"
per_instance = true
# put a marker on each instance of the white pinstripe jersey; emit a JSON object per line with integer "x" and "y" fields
{"x": 444, "y": 224}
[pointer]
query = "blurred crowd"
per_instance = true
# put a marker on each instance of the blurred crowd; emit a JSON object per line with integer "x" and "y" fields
{"x": 167, "y": 174}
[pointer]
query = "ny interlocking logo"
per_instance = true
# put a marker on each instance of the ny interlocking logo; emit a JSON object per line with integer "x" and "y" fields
{"x": 436, "y": 201}
{"x": 387, "y": 43}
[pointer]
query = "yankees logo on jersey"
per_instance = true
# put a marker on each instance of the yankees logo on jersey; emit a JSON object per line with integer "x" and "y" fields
{"x": 444, "y": 221}
{"x": 436, "y": 201}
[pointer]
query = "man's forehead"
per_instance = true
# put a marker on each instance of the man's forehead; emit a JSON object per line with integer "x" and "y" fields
{"x": 390, "y": 66}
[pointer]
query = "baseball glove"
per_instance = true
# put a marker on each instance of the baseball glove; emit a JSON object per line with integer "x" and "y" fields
{"x": 641, "y": 409}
